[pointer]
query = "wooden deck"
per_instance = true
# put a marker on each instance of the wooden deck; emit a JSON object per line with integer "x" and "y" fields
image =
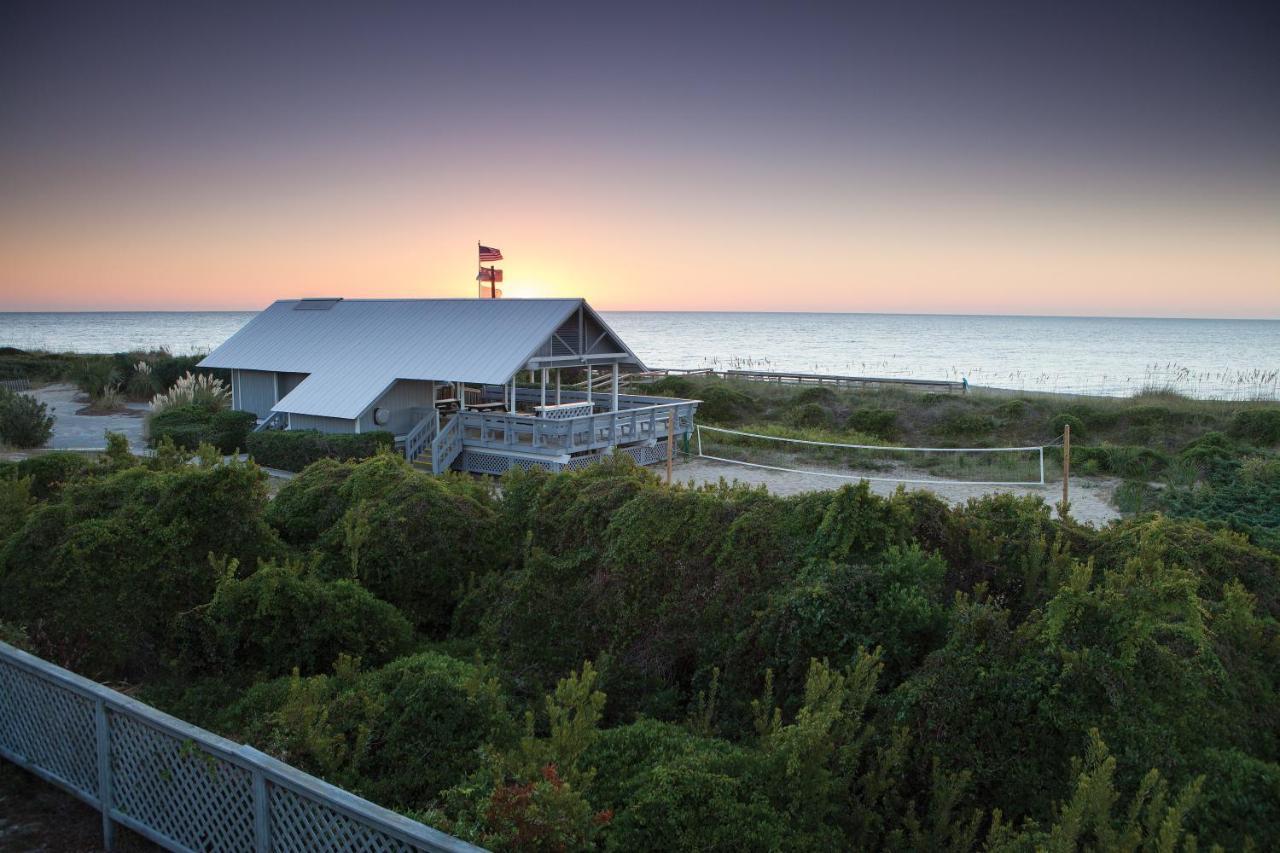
{"x": 943, "y": 385}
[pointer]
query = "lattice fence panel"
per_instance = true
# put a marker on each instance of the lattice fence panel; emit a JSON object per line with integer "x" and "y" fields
{"x": 178, "y": 789}
{"x": 50, "y": 726}
{"x": 300, "y": 823}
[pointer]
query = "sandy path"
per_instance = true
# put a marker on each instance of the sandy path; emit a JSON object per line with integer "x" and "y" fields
{"x": 1090, "y": 496}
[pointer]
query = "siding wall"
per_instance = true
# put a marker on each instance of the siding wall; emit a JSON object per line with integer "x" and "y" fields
{"x": 401, "y": 399}
{"x": 322, "y": 424}
{"x": 255, "y": 391}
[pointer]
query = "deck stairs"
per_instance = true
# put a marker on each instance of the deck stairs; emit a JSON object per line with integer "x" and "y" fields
{"x": 434, "y": 443}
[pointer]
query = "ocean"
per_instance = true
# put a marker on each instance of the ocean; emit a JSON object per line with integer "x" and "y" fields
{"x": 1224, "y": 359}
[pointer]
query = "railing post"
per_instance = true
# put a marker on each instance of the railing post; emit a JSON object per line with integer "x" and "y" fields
{"x": 104, "y": 774}
{"x": 261, "y": 813}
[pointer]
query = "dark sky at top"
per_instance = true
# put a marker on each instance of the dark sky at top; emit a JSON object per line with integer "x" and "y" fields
{"x": 803, "y": 101}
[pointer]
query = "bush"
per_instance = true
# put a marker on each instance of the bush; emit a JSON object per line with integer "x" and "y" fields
{"x": 882, "y": 423}
{"x": 965, "y": 424}
{"x": 293, "y": 450}
{"x": 191, "y": 425}
{"x": 725, "y": 405}
{"x": 1261, "y": 426}
{"x": 412, "y": 539}
{"x": 810, "y": 416}
{"x": 94, "y": 375}
{"x": 1059, "y": 422}
{"x": 24, "y": 422}
{"x": 671, "y": 386}
{"x": 105, "y": 566}
{"x": 310, "y": 503}
{"x": 820, "y": 394}
{"x": 832, "y": 610}
{"x": 397, "y": 735}
{"x": 278, "y": 620}
{"x": 49, "y": 471}
{"x": 168, "y": 369}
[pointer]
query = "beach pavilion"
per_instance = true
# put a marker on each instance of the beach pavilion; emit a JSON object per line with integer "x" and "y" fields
{"x": 468, "y": 384}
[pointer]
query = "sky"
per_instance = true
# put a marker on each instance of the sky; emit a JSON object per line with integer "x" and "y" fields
{"x": 1025, "y": 158}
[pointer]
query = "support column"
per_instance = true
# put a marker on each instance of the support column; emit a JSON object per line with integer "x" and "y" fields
{"x": 557, "y": 386}
{"x": 615, "y": 387}
{"x": 591, "y": 396}
{"x": 544, "y": 387}
{"x": 513, "y": 394}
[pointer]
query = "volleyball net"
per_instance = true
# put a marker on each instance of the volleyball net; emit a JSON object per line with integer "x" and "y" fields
{"x": 981, "y": 466}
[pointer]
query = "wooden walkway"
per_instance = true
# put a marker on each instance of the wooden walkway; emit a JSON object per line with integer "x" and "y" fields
{"x": 943, "y": 385}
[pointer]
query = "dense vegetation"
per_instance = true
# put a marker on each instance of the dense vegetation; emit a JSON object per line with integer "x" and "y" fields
{"x": 595, "y": 660}
{"x": 23, "y": 421}
{"x": 293, "y": 450}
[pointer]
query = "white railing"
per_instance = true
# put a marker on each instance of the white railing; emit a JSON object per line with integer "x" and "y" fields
{"x": 176, "y": 784}
{"x": 275, "y": 420}
{"x": 420, "y": 437}
{"x": 446, "y": 446}
{"x": 531, "y": 434}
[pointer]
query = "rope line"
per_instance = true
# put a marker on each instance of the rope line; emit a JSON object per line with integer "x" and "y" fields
{"x": 870, "y": 446}
{"x": 1038, "y": 449}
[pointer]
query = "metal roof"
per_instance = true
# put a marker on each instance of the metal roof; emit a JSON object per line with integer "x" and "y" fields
{"x": 355, "y": 349}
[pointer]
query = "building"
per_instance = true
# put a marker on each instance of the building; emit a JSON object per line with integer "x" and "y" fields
{"x": 469, "y": 384}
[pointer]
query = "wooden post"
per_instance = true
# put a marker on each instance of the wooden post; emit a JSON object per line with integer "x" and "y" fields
{"x": 544, "y": 387}
{"x": 671, "y": 440}
{"x": 615, "y": 386}
{"x": 1066, "y": 469}
{"x": 557, "y": 386}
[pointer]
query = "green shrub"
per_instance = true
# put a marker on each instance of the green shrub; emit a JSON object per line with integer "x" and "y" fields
{"x": 1260, "y": 426}
{"x": 1209, "y": 451}
{"x": 723, "y": 404}
{"x": 1241, "y": 803}
{"x": 50, "y": 471}
{"x": 397, "y": 735}
{"x": 24, "y": 422}
{"x": 1059, "y": 423}
{"x": 229, "y": 430}
{"x": 278, "y": 620}
{"x": 186, "y": 426}
{"x": 293, "y": 450}
{"x": 965, "y": 424}
{"x": 168, "y": 369}
{"x": 1012, "y": 410}
{"x": 94, "y": 375}
{"x": 412, "y": 539}
{"x": 107, "y": 564}
{"x": 878, "y": 422}
{"x": 310, "y": 503}
{"x": 831, "y": 610}
{"x": 811, "y": 416}
{"x": 15, "y": 504}
{"x": 820, "y": 394}
{"x": 671, "y": 386}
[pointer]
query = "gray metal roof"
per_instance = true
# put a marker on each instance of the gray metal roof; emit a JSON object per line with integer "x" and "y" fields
{"x": 355, "y": 349}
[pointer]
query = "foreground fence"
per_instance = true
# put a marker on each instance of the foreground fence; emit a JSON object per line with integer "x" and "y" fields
{"x": 176, "y": 784}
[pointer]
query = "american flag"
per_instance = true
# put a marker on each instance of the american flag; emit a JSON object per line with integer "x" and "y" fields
{"x": 488, "y": 253}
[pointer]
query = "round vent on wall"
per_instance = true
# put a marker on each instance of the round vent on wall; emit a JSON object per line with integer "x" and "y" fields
{"x": 381, "y": 416}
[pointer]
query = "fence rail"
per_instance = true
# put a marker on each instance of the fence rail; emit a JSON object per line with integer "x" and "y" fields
{"x": 176, "y": 784}
{"x": 814, "y": 378}
{"x": 15, "y": 384}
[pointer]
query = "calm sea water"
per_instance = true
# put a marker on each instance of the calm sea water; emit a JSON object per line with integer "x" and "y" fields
{"x": 1231, "y": 359}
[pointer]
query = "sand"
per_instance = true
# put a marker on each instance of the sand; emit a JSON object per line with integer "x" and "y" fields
{"x": 1090, "y": 496}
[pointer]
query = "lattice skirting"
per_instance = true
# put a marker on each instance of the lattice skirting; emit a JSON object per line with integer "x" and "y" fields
{"x": 484, "y": 462}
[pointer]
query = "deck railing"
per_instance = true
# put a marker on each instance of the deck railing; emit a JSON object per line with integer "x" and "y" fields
{"x": 532, "y": 434}
{"x": 178, "y": 785}
{"x": 421, "y": 436}
{"x": 447, "y": 445}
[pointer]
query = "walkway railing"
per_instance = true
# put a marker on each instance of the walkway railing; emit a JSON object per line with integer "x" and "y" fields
{"x": 531, "y": 434}
{"x": 275, "y": 420}
{"x": 447, "y": 445}
{"x": 178, "y": 785}
{"x": 420, "y": 437}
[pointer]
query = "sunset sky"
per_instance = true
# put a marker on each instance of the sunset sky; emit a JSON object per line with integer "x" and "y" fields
{"x": 1028, "y": 158}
